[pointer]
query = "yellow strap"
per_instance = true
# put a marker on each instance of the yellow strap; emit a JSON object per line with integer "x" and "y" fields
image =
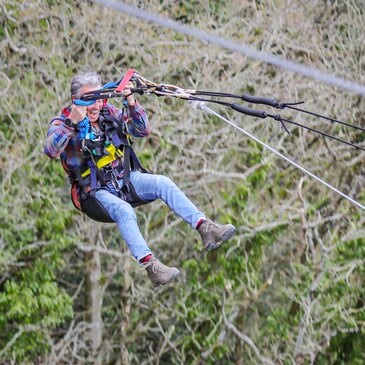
{"x": 113, "y": 155}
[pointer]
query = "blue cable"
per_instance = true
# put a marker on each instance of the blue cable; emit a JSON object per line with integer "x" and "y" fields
{"x": 84, "y": 126}
{"x": 111, "y": 84}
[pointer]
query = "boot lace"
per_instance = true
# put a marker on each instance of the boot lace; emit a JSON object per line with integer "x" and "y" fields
{"x": 152, "y": 265}
{"x": 210, "y": 224}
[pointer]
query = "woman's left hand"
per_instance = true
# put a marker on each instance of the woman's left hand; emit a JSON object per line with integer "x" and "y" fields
{"x": 131, "y": 100}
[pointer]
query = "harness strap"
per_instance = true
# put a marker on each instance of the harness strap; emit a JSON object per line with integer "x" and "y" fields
{"x": 82, "y": 182}
{"x": 119, "y": 134}
{"x": 135, "y": 161}
{"x": 114, "y": 153}
{"x": 127, "y": 168}
{"x": 93, "y": 176}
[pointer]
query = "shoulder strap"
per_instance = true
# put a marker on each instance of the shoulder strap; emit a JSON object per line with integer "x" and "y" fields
{"x": 114, "y": 126}
{"x": 130, "y": 158}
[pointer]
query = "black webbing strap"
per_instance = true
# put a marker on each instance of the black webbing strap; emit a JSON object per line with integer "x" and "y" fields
{"x": 130, "y": 159}
{"x": 135, "y": 161}
{"x": 127, "y": 168}
{"x": 81, "y": 182}
{"x": 113, "y": 123}
{"x": 93, "y": 177}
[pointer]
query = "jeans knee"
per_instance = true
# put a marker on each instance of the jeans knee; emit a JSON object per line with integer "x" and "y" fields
{"x": 124, "y": 211}
{"x": 165, "y": 181}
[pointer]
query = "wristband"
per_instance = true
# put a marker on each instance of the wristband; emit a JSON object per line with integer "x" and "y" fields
{"x": 68, "y": 123}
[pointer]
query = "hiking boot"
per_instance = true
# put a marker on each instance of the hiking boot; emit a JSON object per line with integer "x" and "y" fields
{"x": 158, "y": 272}
{"x": 213, "y": 234}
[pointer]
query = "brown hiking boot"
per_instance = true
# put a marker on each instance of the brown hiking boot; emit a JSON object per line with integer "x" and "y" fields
{"x": 213, "y": 234}
{"x": 158, "y": 272}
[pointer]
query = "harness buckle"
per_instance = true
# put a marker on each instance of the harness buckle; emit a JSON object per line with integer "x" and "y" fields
{"x": 126, "y": 189}
{"x": 96, "y": 138}
{"x": 115, "y": 184}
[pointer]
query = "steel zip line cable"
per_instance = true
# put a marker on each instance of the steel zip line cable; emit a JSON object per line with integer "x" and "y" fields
{"x": 202, "y": 106}
{"x": 235, "y": 47}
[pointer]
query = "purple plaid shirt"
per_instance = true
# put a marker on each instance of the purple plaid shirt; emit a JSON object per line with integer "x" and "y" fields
{"x": 63, "y": 142}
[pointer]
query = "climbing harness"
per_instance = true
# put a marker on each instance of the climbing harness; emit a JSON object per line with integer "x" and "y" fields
{"x": 200, "y": 98}
{"x": 110, "y": 157}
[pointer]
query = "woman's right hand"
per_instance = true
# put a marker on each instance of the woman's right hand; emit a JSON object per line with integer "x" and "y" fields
{"x": 78, "y": 113}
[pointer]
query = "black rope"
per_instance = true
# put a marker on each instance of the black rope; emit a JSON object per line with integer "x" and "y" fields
{"x": 194, "y": 98}
{"x": 214, "y": 93}
{"x": 327, "y": 118}
{"x": 276, "y": 104}
{"x": 279, "y": 118}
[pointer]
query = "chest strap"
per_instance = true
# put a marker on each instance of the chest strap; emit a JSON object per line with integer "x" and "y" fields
{"x": 114, "y": 153}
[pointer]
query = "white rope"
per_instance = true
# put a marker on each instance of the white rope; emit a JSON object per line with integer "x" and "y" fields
{"x": 235, "y": 47}
{"x": 202, "y": 106}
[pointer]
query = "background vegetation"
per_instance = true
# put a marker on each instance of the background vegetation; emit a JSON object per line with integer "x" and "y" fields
{"x": 289, "y": 289}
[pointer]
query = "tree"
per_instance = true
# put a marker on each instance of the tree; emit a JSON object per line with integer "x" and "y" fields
{"x": 287, "y": 289}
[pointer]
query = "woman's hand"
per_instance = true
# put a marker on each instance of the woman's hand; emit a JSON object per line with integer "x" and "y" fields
{"x": 130, "y": 99}
{"x": 78, "y": 113}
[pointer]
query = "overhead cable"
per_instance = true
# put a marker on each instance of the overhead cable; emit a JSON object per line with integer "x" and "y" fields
{"x": 242, "y": 48}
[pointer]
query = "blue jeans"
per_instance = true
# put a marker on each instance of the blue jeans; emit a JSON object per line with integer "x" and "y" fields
{"x": 148, "y": 187}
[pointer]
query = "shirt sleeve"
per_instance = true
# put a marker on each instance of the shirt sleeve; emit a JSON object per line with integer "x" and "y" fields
{"x": 138, "y": 125}
{"x": 57, "y": 138}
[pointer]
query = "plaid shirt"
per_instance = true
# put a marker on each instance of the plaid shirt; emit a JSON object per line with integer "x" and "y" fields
{"x": 63, "y": 142}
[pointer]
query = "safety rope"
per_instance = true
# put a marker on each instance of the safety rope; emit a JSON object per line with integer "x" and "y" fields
{"x": 203, "y": 107}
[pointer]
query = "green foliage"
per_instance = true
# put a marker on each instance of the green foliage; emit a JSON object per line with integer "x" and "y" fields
{"x": 31, "y": 302}
{"x": 296, "y": 266}
{"x": 34, "y": 222}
